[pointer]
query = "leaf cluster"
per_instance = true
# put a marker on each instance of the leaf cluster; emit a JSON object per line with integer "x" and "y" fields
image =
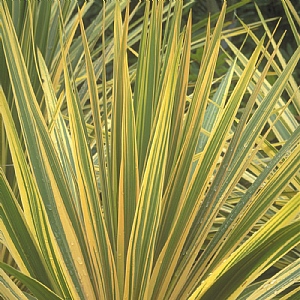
{"x": 127, "y": 180}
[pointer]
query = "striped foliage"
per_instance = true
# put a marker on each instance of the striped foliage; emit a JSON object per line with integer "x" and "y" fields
{"x": 121, "y": 179}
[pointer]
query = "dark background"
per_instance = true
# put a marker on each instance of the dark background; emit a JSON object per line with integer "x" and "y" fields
{"x": 247, "y": 13}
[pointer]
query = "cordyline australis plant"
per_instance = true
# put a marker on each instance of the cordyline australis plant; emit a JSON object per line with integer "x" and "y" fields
{"x": 129, "y": 187}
